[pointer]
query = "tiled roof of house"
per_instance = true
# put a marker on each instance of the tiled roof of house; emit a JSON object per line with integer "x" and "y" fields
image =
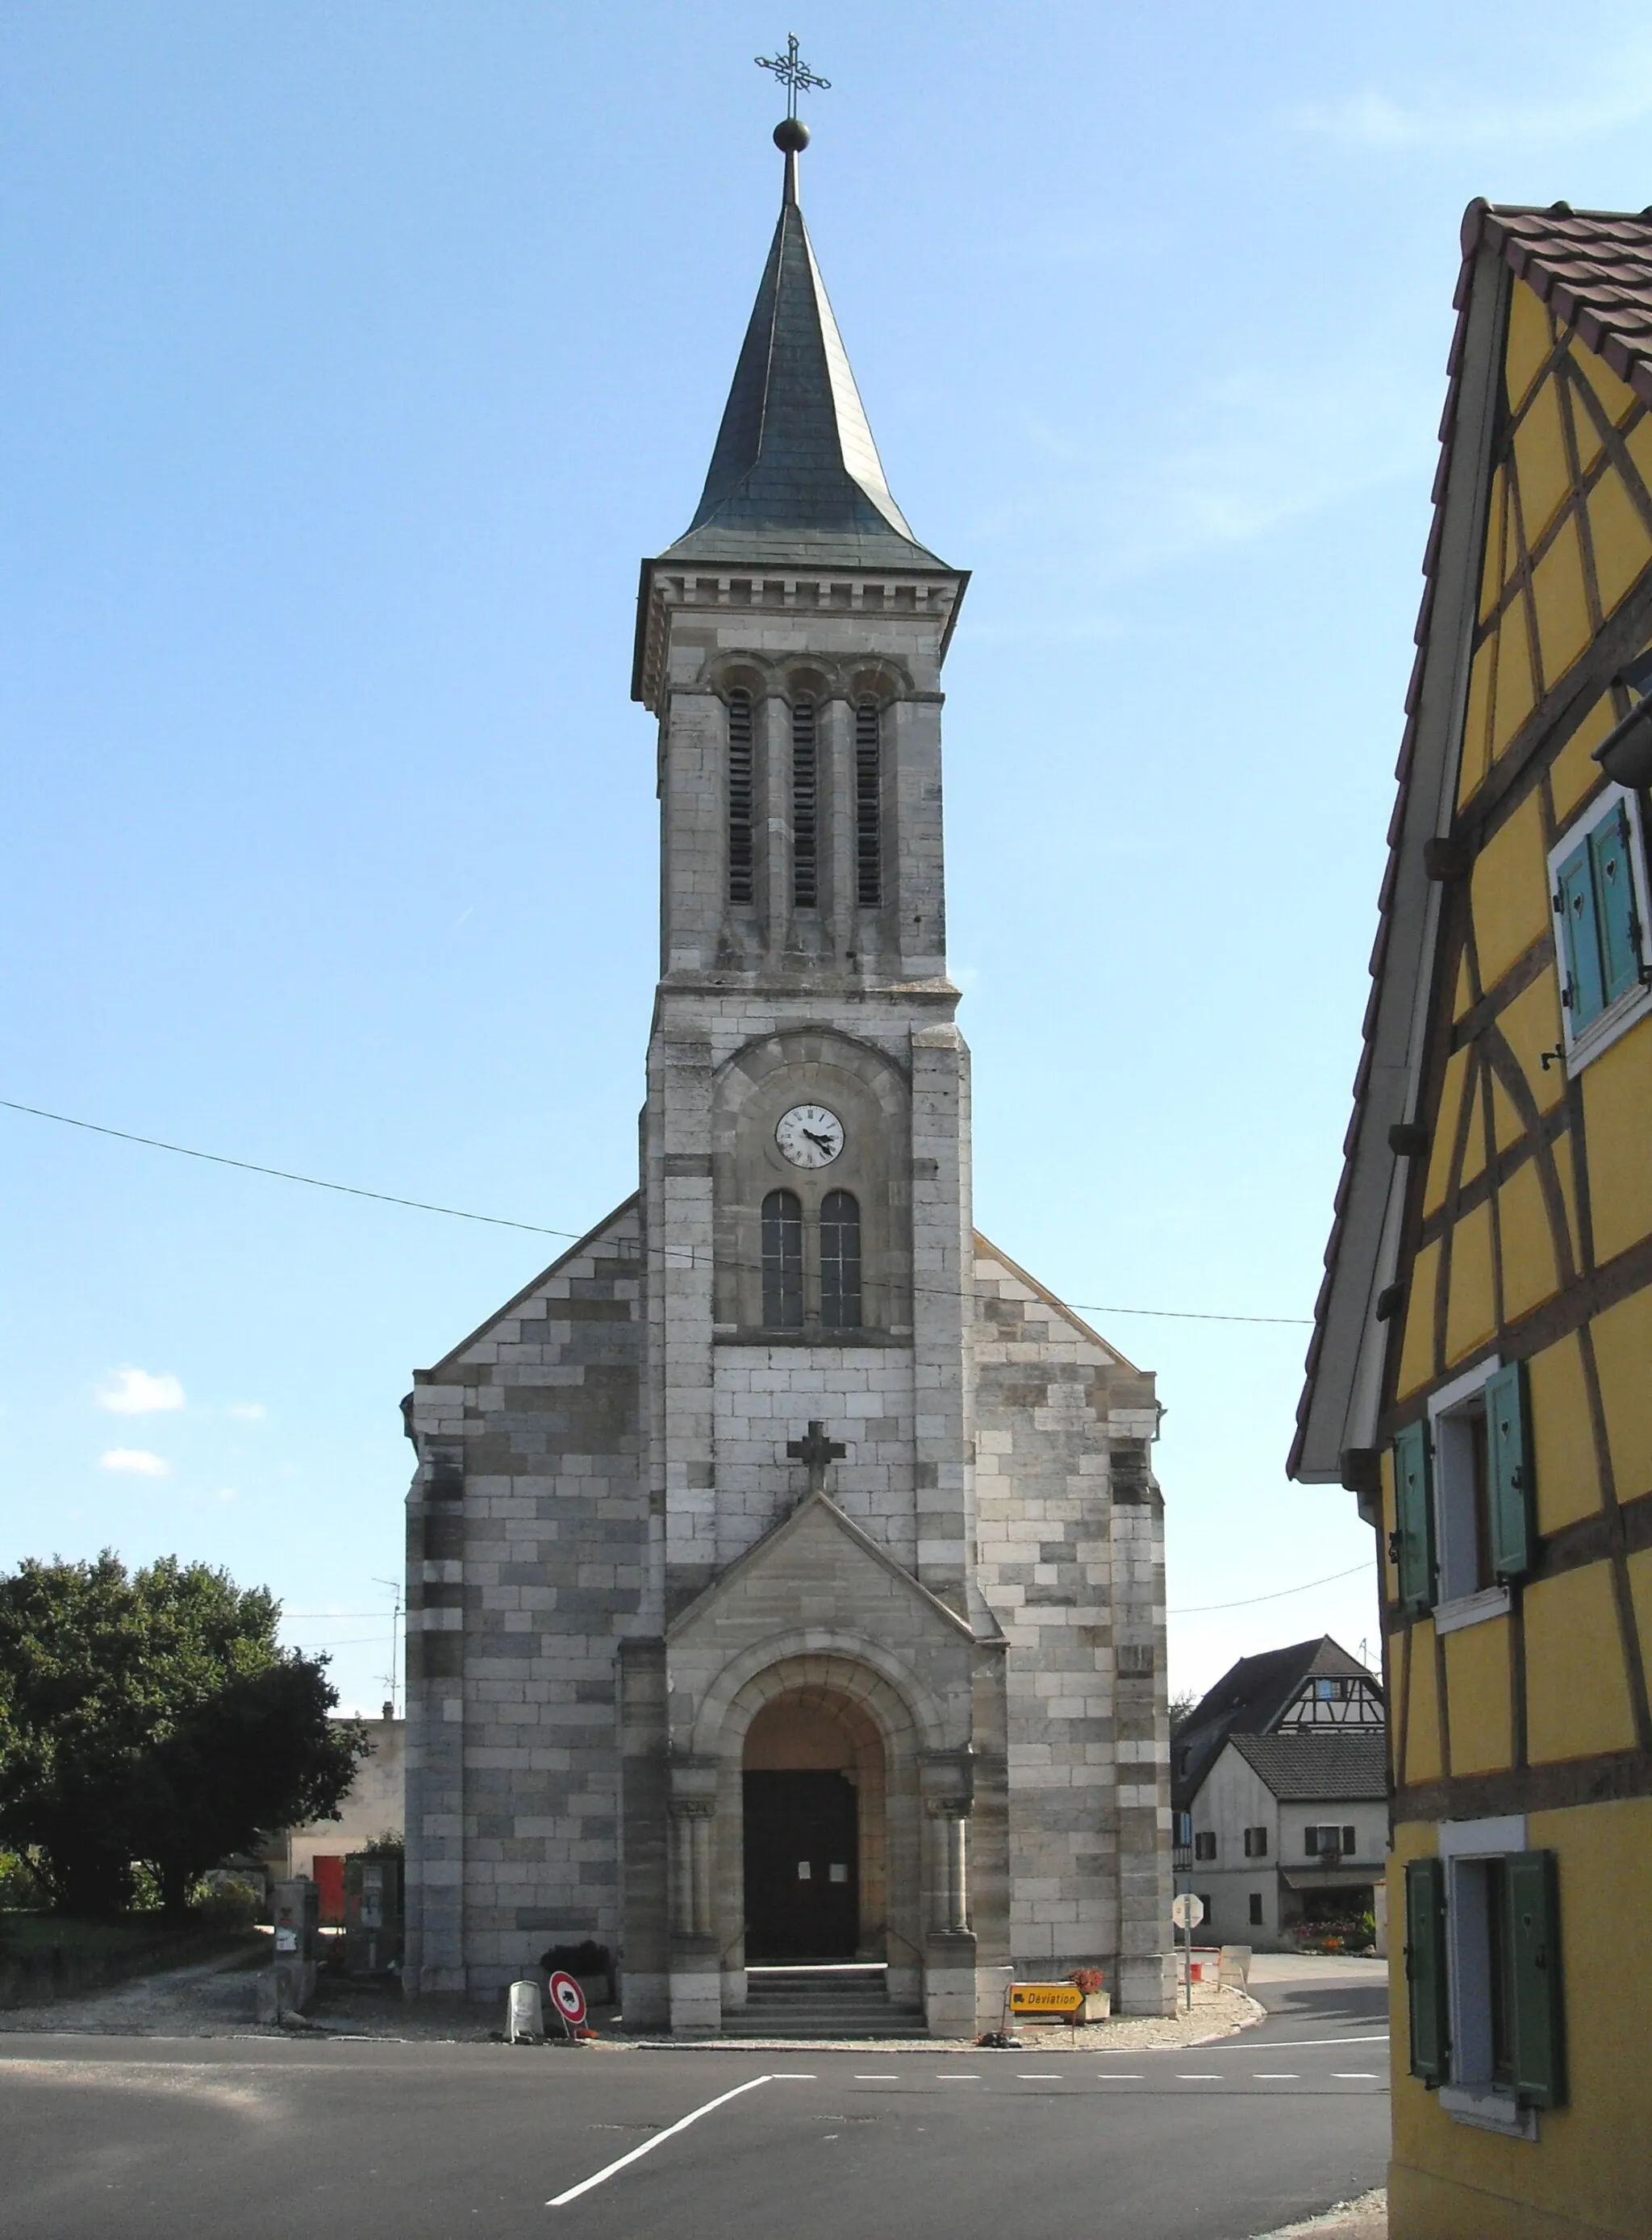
{"x": 1594, "y": 270}
{"x": 1249, "y": 1699}
{"x": 1320, "y": 1765}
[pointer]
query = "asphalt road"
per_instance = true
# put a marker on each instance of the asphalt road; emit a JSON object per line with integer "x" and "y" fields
{"x": 170, "y": 2138}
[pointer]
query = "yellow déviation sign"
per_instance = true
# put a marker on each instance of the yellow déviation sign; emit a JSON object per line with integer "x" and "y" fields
{"x": 1045, "y": 1998}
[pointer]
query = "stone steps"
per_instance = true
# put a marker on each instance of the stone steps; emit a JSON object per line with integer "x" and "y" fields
{"x": 823, "y": 2001}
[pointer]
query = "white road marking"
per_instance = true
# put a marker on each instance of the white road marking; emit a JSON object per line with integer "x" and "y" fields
{"x": 1296, "y": 2044}
{"x": 1354, "y": 2075}
{"x": 793, "y": 2076}
{"x": 878, "y": 2079}
{"x": 1275, "y": 2076}
{"x": 561, "y": 2200}
{"x": 1120, "y": 2076}
{"x": 1039, "y": 2075}
{"x": 959, "y": 2076}
{"x": 1198, "y": 2076}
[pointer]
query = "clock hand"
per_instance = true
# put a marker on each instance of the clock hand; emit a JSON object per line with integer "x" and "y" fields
{"x": 824, "y": 1142}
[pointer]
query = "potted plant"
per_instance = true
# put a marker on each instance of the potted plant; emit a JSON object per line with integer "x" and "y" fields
{"x": 1097, "y": 2002}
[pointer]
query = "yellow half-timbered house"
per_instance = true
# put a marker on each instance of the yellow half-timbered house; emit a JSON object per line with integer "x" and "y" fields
{"x": 1481, "y": 1370}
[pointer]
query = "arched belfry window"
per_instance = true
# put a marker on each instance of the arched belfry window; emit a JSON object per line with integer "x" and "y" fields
{"x": 840, "y": 1261}
{"x": 783, "y": 1261}
{"x": 740, "y": 799}
{"x": 805, "y": 804}
{"x": 869, "y": 788}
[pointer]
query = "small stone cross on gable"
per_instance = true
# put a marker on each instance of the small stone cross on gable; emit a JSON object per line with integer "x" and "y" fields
{"x": 817, "y": 1452}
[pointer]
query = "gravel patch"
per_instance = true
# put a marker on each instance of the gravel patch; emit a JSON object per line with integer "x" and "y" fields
{"x": 1364, "y": 2219}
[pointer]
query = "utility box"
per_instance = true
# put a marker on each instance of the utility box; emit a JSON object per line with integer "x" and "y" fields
{"x": 373, "y": 1892}
{"x": 289, "y": 1984}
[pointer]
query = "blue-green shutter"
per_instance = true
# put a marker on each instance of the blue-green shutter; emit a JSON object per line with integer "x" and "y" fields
{"x": 1413, "y": 1515}
{"x": 1538, "y": 2006}
{"x": 1579, "y": 937}
{"x": 1509, "y": 1446}
{"x": 1616, "y": 913}
{"x": 1426, "y": 1997}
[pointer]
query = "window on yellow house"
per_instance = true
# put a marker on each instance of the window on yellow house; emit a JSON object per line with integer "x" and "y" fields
{"x": 1597, "y": 889}
{"x": 1482, "y": 1964}
{"x": 1463, "y": 1493}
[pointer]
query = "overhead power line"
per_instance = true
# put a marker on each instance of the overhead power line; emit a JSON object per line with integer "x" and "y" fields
{"x": 1201, "y": 1609}
{"x": 539, "y": 1229}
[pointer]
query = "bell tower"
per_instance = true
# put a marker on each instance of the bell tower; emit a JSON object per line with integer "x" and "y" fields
{"x": 805, "y": 1138}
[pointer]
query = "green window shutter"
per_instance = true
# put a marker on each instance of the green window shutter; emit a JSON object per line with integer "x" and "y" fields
{"x": 1413, "y": 1503}
{"x": 1425, "y": 1969}
{"x": 1614, "y": 906}
{"x": 1539, "y": 2017}
{"x": 1579, "y": 937}
{"x": 1508, "y": 1437}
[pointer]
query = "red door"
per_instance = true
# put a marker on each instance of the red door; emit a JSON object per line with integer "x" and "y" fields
{"x": 327, "y": 1873}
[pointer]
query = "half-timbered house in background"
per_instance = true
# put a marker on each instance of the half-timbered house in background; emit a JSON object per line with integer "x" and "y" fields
{"x": 1479, "y": 1372}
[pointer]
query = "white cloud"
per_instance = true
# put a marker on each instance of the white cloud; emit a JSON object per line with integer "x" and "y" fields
{"x": 227, "y": 1493}
{"x": 135, "y": 1393}
{"x": 247, "y": 1411}
{"x": 137, "y": 1460}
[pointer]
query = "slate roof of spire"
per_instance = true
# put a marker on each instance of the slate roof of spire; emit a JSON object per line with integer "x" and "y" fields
{"x": 796, "y": 480}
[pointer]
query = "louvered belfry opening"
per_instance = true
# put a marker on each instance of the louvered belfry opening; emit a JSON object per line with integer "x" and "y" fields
{"x": 741, "y": 806}
{"x": 840, "y": 1261}
{"x": 783, "y": 1261}
{"x": 805, "y": 805}
{"x": 869, "y": 837}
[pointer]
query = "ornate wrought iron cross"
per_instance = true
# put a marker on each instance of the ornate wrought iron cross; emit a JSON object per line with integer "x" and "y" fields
{"x": 817, "y": 1452}
{"x": 793, "y": 73}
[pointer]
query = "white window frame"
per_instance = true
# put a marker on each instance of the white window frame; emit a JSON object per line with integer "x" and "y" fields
{"x": 1609, "y": 1025}
{"x": 1453, "y": 1479}
{"x": 1470, "y": 2097}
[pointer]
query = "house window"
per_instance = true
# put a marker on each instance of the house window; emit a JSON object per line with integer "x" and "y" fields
{"x": 840, "y": 1261}
{"x": 805, "y": 805}
{"x": 1204, "y": 1844}
{"x": 1483, "y": 1983}
{"x": 1183, "y": 1829}
{"x": 783, "y": 1261}
{"x": 741, "y": 810}
{"x": 1324, "y": 1841}
{"x": 1255, "y": 1843}
{"x": 1597, "y": 891}
{"x": 869, "y": 793}
{"x": 1464, "y": 1492}
{"x": 1256, "y": 1909}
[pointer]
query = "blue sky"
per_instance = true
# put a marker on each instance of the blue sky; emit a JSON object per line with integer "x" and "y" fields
{"x": 350, "y": 357}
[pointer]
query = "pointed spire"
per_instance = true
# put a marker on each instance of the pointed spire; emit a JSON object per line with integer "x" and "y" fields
{"x": 795, "y": 479}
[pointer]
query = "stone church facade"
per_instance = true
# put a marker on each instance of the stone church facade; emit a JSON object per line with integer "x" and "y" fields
{"x": 785, "y": 1566}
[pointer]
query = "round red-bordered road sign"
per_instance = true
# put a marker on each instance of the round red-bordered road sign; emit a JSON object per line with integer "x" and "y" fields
{"x": 567, "y": 1999}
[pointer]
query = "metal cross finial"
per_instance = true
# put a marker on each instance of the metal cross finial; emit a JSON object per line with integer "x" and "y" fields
{"x": 816, "y": 1451}
{"x": 793, "y": 74}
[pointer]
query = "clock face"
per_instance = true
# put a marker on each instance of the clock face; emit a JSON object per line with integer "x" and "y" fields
{"x": 810, "y": 1135}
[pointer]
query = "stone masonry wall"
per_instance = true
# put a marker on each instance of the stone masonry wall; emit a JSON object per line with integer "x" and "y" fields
{"x": 527, "y": 1535}
{"x": 1071, "y": 1562}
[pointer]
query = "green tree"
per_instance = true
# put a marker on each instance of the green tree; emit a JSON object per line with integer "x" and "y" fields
{"x": 155, "y": 1717}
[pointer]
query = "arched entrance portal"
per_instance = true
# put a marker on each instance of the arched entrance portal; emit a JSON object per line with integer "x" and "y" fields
{"x": 814, "y": 1788}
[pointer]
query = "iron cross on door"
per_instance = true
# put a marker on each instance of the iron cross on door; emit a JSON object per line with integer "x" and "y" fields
{"x": 816, "y": 1451}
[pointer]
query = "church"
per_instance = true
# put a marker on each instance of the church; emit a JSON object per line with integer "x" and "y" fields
{"x": 785, "y": 1564}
